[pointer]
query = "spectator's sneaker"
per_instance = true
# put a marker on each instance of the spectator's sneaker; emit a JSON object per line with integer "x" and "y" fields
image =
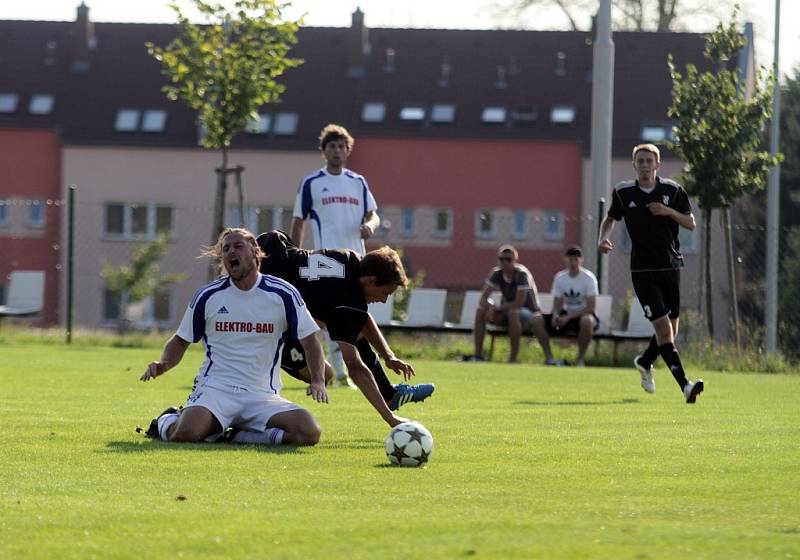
{"x": 648, "y": 383}
{"x": 410, "y": 393}
{"x": 228, "y": 435}
{"x": 346, "y": 382}
{"x": 473, "y": 358}
{"x": 692, "y": 389}
{"x": 553, "y": 362}
{"x": 152, "y": 430}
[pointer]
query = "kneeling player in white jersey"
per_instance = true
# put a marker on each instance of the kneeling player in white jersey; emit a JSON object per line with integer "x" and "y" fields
{"x": 244, "y": 320}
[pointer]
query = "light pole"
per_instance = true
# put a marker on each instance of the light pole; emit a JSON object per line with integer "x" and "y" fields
{"x": 773, "y": 204}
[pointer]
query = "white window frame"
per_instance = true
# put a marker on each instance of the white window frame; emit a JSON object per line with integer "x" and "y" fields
{"x": 554, "y": 232}
{"x": 259, "y": 126}
{"x": 524, "y": 231}
{"x": 41, "y": 104}
{"x": 127, "y": 221}
{"x": 494, "y": 114}
{"x": 8, "y": 102}
{"x": 285, "y": 124}
{"x": 447, "y": 232}
{"x": 35, "y": 222}
{"x": 127, "y": 120}
{"x": 154, "y": 120}
{"x": 443, "y": 113}
{"x": 408, "y": 222}
{"x": 480, "y": 231}
{"x": 563, "y": 114}
{"x": 373, "y": 112}
{"x": 412, "y": 113}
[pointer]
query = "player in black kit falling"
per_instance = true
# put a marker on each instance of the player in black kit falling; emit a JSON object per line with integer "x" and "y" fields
{"x": 337, "y": 285}
{"x": 653, "y": 209}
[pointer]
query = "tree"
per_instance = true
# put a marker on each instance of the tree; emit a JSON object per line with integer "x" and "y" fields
{"x": 226, "y": 70}
{"x": 140, "y": 278}
{"x": 628, "y": 15}
{"x": 718, "y": 133}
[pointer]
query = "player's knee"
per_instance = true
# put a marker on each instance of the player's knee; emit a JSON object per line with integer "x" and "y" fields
{"x": 309, "y": 433}
{"x": 183, "y": 434}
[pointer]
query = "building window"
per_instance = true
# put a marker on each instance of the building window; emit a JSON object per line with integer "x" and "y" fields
{"x": 35, "y": 217}
{"x": 493, "y": 115}
{"x": 4, "y": 212}
{"x": 111, "y": 305}
{"x": 41, "y": 104}
{"x": 443, "y": 222}
{"x": 408, "y": 222}
{"x": 285, "y": 124}
{"x": 127, "y": 120}
{"x": 412, "y": 113}
{"x": 154, "y": 120}
{"x": 562, "y": 114}
{"x": 554, "y": 225}
{"x": 485, "y": 227}
{"x": 258, "y": 126}
{"x": 524, "y": 115}
{"x": 519, "y": 224}
{"x": 8, "y": 102}
{"x": 373, "y": 112}
{"x": 443, "y": 113}
{"x": 656, "y": 133}
{"x": 138, "y": 221}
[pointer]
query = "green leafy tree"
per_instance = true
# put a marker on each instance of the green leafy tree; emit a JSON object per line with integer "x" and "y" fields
{"x": 140, "y": 278}
{"x": 226, "y": 69}
{"x": 719, "y": 132}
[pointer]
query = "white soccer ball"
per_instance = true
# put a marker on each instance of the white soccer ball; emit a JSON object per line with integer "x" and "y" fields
{"x": 409, "y": 444}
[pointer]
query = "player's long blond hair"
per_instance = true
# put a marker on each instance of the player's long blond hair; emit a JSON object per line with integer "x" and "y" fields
{"x": 214, "y": 252}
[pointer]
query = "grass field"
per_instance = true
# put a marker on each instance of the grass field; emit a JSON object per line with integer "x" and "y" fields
{"x": 529, "y": 463}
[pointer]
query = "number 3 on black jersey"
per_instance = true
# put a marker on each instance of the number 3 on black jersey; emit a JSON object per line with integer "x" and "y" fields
{"x": 320, "y": 266}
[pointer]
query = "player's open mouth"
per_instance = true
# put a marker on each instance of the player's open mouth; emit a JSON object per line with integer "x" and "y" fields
{"x": 234, "y": 262}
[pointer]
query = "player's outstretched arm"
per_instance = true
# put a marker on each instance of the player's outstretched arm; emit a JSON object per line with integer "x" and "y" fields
{"x": 316, "y": 367}
{"x": 604, "y": 243}
{"x": 376, "y": 339}
{"x": 362, "y": 377}
{"x": 170, "y": 357}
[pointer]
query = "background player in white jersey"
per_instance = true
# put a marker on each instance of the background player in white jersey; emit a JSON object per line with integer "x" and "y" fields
{"x": 654, "y": 209}
{"x": 340, "y": 207}
{"x": 243, "y": 319}
{"x": 574, "y": 298}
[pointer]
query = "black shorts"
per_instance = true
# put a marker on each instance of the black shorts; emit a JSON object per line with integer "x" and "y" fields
{"x": 293, "y": 359}
{"x": 659, "y": 292}
{"x": 572, "y": 327}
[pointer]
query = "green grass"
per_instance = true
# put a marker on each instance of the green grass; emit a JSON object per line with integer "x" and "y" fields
{"x": 529, "y": 463}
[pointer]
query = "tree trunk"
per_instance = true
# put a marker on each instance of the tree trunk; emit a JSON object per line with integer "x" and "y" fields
{"x": 219, "y": 207}
{"x": 240, "y": 188}
{"x": 734, "y": 296}
{"x": 707, "y": 251}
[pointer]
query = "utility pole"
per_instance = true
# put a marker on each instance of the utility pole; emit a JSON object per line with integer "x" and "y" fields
{"x": 602, "y": 119}
{"x": 773, "y": 203}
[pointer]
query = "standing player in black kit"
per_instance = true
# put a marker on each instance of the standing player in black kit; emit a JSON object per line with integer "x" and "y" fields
{"x": 653, "y": 209}
{"x": 337, "y": 285}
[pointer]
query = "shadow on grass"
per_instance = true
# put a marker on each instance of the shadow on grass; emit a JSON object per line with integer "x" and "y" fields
{"x": 151, "y": 445}
{"x": 576, "y": 403}
{"x": 350, "y": 444}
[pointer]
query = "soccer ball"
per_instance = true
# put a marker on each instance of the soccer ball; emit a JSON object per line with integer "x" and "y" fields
{"x": 409, "y": 444}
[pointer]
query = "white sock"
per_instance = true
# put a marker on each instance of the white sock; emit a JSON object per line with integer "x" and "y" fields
{"x": 165, "y": 422}
{"x": 270, "y": 436}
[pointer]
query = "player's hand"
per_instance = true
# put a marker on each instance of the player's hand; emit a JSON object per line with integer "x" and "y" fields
{"x": 317, "y": 392}
{"x": 605, "y": 246}
{"x": 401, "y": 368}
{"x": 658, "y": 209}
{"x": 154, "y": 369}
{"x": 366, "y": 231}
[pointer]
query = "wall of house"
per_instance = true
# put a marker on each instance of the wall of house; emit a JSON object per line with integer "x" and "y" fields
{"x": 180, "y": 179}
{"x": 522, "y": 184}
{"x": 30, "y": 168}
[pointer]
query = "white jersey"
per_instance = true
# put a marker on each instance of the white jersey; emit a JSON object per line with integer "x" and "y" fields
{"x": 336, "y": 206}
{"x": 574, "y": 289}
{"x": 244, "y": 331}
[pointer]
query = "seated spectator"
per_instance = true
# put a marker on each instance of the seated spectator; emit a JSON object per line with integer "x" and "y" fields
{"x": 574, "y": 298}
{"x": 518, "y": 308}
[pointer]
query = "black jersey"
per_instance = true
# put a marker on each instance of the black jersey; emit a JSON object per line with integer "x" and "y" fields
{"x": 327, "y": 279}
{"x": 654, "y": 239}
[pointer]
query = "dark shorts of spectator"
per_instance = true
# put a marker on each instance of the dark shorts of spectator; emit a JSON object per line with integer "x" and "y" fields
{"x": 526, "y": 316}
{"x": 571, "y": 328}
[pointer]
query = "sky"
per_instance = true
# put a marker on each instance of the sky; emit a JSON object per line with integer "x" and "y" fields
{"x": 471, "y": 14}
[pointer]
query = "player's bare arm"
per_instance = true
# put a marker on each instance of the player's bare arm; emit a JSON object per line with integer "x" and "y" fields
{"x": 170, "y": 357}
{"x": 684, "y": 220}
{"x": 370, "y": 224}
{"x": 316, "y": 368}
{"x": 362, "y": 377}
{"x": 376, "y": 339}
{"x": 297, "y": 231}
{"x": 604, "y": 244}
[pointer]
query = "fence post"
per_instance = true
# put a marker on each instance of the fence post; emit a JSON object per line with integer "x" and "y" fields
{"x": 601, "y": 210}
{"x": 70, "y": 254}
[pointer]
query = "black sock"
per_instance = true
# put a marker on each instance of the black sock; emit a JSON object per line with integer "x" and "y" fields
{"x": 373, "y": 363}
{"x": 673, "y": 361}
{"x": 650, "y": 355}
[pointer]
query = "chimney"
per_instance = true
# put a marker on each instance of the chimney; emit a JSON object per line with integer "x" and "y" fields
{"x": 83, "y": 40}
{"x": 358, "y": 47}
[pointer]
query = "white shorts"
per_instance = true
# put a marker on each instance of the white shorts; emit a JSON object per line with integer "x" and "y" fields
{"x": 236, "y": 406}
